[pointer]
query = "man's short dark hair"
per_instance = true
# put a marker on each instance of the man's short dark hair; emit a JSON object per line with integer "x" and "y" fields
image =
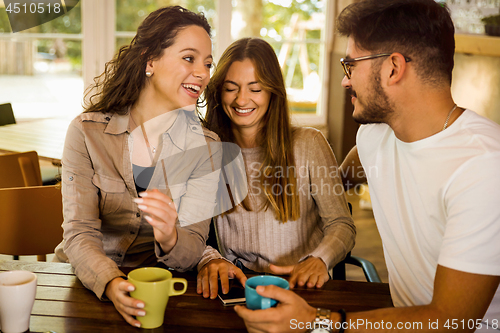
{"x": 419, "y": 29}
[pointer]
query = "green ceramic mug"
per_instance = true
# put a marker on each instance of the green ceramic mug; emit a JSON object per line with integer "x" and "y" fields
{"x": 153, "y": 286}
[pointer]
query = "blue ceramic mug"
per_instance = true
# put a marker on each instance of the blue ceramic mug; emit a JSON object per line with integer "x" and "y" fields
{"x": 255, "y": 301}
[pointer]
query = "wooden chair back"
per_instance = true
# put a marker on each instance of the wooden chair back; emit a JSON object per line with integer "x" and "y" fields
{"x": 20, "y": 169}
{"x": 30, "y": 220}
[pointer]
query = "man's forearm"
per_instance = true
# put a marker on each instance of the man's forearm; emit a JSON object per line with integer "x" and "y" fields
{"x": 351, "y": 170}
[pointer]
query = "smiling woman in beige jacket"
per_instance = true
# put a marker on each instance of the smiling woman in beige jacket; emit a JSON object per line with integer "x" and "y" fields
{"x": 142, "y": 118}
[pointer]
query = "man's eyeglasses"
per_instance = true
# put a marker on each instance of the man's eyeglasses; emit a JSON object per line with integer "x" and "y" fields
{"x": 347, "y": 62}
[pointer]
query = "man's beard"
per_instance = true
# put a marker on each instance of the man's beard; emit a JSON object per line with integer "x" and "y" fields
{"x": 378, "y": 108}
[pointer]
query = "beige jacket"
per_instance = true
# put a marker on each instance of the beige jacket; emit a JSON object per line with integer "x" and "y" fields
{"x": 102, "y": 224}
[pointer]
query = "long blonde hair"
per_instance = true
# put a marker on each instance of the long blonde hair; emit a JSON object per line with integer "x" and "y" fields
{"x": 277, "y": 132}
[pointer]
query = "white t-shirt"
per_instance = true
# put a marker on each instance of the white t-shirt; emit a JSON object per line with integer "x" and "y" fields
{"x": 436, "y": 201}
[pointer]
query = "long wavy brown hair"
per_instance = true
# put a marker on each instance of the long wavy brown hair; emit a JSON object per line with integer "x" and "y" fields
{"x": 276, "y": 140}
{"x": 124, "y": 77}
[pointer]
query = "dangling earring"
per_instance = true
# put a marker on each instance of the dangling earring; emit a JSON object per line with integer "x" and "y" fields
{"x": 149, "y": 74}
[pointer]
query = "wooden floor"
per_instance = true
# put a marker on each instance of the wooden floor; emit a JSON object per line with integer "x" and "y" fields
{"x": 368, "y": 242}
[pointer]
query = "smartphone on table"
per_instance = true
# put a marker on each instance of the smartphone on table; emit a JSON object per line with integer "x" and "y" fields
{"x": 236, "y": 294}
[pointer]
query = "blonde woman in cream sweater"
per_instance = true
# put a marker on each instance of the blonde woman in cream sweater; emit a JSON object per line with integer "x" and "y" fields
{"x": 295, "y": 220}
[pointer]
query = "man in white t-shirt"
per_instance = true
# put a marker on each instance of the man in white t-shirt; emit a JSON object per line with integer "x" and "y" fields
{"x": 433, "y": 170}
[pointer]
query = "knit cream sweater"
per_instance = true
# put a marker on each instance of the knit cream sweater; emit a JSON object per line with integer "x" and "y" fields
{"x": 325, "y": 228}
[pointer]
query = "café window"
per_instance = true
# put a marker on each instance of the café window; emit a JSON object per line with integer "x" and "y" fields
{"x": 41, "y": 67}
{"x": 296, "y": 30}
{"x": 52, "y": 63}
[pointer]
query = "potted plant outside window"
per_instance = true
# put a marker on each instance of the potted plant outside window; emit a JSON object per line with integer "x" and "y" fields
{"x": 492, "y": 25}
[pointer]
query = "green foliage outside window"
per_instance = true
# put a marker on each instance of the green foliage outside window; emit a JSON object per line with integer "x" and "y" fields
{"x": 4, "y": 21}
{"x": 130, "y": 13}
{"x": 277, "y": 16}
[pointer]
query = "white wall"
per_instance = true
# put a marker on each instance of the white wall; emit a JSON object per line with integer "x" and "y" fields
{"x": 476, "y": 84}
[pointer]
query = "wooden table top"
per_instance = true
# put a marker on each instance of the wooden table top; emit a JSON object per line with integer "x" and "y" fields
{"x": 45, "y": 136}
{"x": 63, "y": 304}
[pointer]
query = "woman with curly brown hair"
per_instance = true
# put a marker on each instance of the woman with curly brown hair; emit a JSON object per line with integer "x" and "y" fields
{"x": 119, "y": 208}
{"x": 295, "y": 219}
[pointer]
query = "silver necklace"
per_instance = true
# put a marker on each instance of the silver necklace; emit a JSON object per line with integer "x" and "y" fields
{"x": 154, "y": 148}
{"x": 449, "y": 115}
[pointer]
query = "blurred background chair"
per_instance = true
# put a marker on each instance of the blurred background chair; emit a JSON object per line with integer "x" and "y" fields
{"x": 30, "y": 220}
{"x": 371, "y": 274}
{"x": 20, "y": 169}
{"x": 6, "y": 114}
{"x": 25, "y": 169}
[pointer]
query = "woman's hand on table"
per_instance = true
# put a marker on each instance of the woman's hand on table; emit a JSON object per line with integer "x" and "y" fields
{"x": 117, "y": 291}
{"x": 162, "y": 215}
{"x": 311, "y": 272}
{"x": 207, "y": 280}
{"x": 277, "y": 319}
